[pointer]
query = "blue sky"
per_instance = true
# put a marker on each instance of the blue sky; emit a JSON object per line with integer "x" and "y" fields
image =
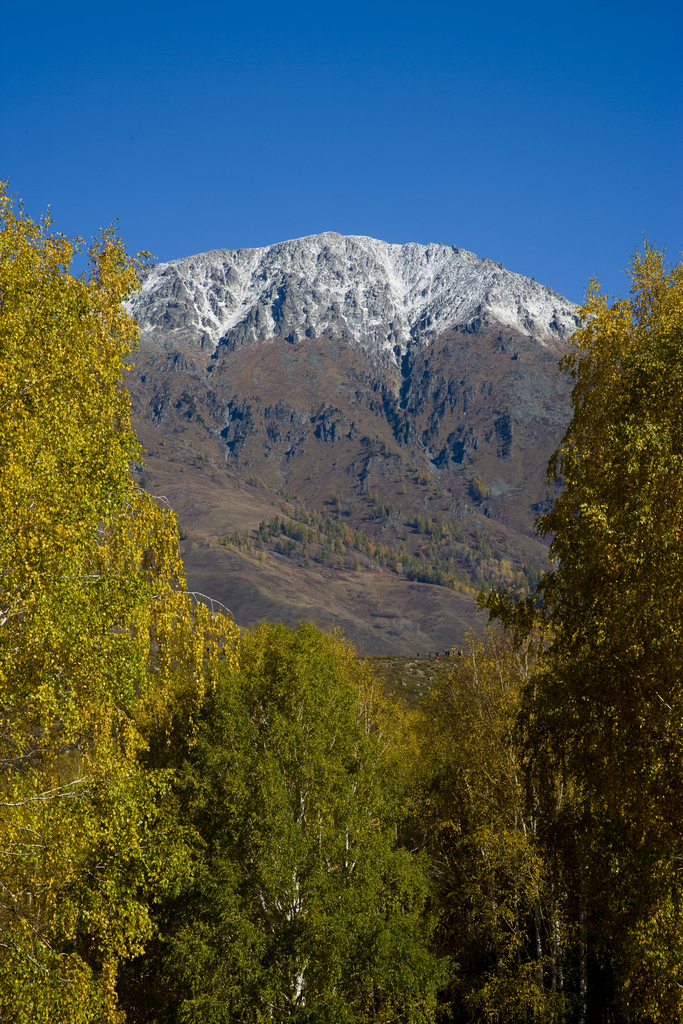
{"x": 548, "y": 136}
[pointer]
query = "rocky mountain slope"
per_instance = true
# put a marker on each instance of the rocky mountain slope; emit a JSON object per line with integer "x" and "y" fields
{"x": 407, "y": 395}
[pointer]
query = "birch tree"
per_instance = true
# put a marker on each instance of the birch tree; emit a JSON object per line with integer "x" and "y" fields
{"x": 604, "y": 712}
{"x": 97, "y": 638}
{"x": 499, "y": 918}
{"x": 304, "y": 905}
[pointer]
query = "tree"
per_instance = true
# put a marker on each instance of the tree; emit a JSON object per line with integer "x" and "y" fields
{"x": 604, "y": 715}
{"x": 303, "y": 903}
{"x": 499, "y": 915}
{"x": 98, "y": 638}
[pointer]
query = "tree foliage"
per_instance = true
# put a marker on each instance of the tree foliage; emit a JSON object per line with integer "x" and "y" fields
{"x": 499, "y": 912}
{"x": 604, "y": 713}
{"x": 98, "y": 639}
{"x": 303, "y": 904}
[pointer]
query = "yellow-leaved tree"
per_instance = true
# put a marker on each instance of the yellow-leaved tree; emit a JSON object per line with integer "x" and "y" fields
{"x": 500, "y": 917}
{"x": 98, "y": 640}
{"x": 602, "y": 715}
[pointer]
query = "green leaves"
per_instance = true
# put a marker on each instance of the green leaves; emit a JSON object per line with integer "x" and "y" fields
{"x": 303, "y": 904}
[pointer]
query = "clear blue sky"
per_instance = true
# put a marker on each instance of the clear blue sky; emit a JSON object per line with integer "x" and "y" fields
{"x": 546, "y": 135}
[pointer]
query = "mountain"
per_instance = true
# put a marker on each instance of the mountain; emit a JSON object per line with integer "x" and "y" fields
{"x": 394, "y": 405}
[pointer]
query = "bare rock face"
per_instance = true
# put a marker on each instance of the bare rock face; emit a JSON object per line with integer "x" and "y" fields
{"x": 392, "y": 383}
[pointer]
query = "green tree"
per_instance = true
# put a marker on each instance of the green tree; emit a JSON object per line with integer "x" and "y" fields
{"x": 604, "y": 714}
{"x": 303, "y": 903}
{"x": 98, "y": 641}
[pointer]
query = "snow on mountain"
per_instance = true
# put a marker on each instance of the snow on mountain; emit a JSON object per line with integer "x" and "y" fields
{"x": 377, "y": 296}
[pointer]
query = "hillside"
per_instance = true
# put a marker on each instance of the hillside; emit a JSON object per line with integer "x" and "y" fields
{"x": 393, "y": 406}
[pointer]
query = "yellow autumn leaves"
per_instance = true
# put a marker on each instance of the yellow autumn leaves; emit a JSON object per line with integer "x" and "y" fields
{"x": 98, "y": 639}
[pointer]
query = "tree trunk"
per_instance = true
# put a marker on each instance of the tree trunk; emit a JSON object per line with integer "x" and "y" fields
{"x": 583, "y": 951}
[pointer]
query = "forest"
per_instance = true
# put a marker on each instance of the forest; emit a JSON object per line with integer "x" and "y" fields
{"x": 206, "y": 824}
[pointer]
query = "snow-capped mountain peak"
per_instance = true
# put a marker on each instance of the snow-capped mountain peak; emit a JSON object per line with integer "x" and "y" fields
{"x": 378, "y": 296}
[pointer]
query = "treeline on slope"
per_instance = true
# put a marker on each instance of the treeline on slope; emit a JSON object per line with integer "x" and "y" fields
{"x": 203, "y": 825}
{"x": 337, "y": 544}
